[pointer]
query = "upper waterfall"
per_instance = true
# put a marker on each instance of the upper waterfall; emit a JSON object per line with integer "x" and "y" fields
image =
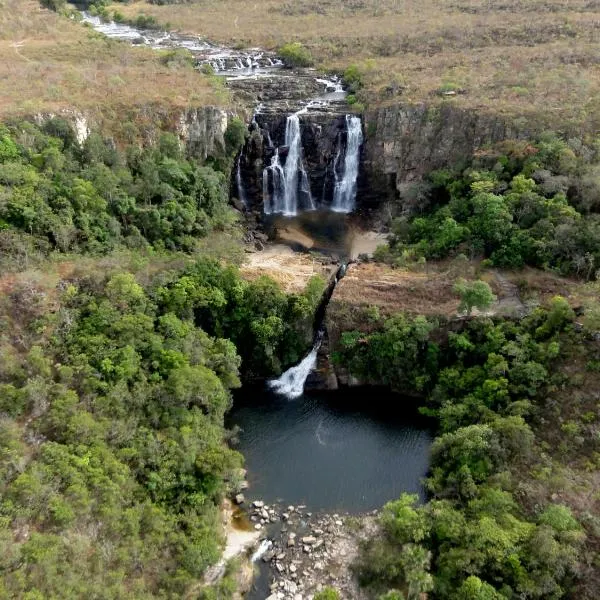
{"x": 286, "y": 190}
{"x": 286, "y": 183}
{"x": 344, "y": 193}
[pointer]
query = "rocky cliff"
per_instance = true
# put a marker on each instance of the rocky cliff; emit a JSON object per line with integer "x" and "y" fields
{"x": 404, "y": 142}
{"x": 201, "y": 129}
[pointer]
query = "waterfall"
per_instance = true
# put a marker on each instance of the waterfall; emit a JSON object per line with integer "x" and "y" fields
{"x": 274, "y": 178}
{"x": 238, "y": 180}
{"x": 264, "y": 547}
{"x": 344, "y": 193}
{"x": 291, "y": 383}
{"x": 290, "y": 185}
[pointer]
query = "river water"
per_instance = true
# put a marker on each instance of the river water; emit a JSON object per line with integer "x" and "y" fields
{"x": 351, "y": 450}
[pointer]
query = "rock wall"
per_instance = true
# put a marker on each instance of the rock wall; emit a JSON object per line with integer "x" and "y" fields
{"x": 405, "y": 142}
{"x": 200, "y": 129}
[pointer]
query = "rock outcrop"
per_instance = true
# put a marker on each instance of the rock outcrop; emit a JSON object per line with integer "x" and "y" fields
{"x": 405, "y": 142}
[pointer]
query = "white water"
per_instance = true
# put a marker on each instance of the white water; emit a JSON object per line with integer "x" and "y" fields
{"x": 344, "y": 193}
{"x": 291, "y": 383}
{"x": 240, "y": 184}
{"x": 265, "y": 546}
{"x": 290, "y": 185}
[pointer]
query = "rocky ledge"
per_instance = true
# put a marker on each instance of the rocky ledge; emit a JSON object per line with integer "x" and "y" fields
{"x": 306, "y": 551}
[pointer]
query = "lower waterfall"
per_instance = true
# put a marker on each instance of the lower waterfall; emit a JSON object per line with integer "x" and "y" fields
{"x": 291, "y": 383}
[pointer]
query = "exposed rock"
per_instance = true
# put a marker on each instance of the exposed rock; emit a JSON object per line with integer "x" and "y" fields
{"x": 406, "y": 141}
{"x": 240, "y": 499}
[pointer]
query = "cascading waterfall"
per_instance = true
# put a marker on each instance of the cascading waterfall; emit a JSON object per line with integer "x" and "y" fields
{"x": 291, "y": 383}
{"x": 344, "y": 193}
{"x": 286, "y": 189}
{"x": 264, "y": 547}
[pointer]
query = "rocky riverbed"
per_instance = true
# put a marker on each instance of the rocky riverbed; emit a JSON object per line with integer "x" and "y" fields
{"x": 306, "y": 551}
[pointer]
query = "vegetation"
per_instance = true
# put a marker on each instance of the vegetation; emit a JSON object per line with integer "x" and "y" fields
{"x": 531, "y": 60}
{"x": 61, "y": 196}
{"x": 49, "y": 64}
{"x": 517, "y": 204}
{"x": 481, "y": 534}
{"x": 118, "y": 495}
{"x": 117, "y": 368}
{"x": 473, "y": 294}
{"x": 294, "y": 54}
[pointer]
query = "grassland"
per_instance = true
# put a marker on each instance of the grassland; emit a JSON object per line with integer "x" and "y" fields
{"x": 513, "y": 55}
{"x": 49, "y": 63}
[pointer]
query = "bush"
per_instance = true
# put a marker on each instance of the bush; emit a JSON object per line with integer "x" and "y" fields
{"x": 474, "y": 294}
{"x": 235, "y": 135}
{"x": 294, "y": 54}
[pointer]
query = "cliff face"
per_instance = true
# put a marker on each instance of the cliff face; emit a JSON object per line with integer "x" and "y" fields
{"x": 404, "y": 142}
{"x": 200, "y": 129}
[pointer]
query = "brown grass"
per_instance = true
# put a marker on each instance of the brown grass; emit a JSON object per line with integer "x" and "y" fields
{"x": 397, "y": 290}
{"x": 515, "y": 55}
{"x": 291, "y": 270}
{"x": 48, "y": 64}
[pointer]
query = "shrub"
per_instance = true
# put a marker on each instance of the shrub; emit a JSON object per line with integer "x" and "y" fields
{"x": 294, "y": 54}
{"x": 473, "y": 294}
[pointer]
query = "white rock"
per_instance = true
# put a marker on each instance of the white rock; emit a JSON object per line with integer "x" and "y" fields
{"x": 258, "y": 504}
{"x": 258, "y": 526}
{"x": 309, "y": 539}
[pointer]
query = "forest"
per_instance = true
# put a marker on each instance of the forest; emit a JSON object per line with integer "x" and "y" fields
{"x": 515, "y": 204}
{"x": 114, "y": 385}
{"x": 493, "y": 527}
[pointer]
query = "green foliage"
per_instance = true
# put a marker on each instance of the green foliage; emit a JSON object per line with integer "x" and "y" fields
{"x": 95, "y": 198}
{"x": 327, "y": 593}
{"x": 235, "y": 135}
{"x": 535, "y": 207}
{"x": 294, "y": 54}
{"x": 127, "y": 402}
{"x": 474, "y": 294}
{"x": 471, "y": 539}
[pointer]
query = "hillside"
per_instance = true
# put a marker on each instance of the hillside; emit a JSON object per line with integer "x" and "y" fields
{"x": 50, "y": 64}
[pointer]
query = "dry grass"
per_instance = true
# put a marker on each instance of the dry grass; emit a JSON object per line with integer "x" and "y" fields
{"x": 48, "y": 64}
{"x": 291, "y": 270}
{"x": 397, "y": 290}
{"x": 515, "y": 55}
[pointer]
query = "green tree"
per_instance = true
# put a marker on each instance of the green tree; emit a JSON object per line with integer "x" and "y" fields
{"x": 473, "y": 294}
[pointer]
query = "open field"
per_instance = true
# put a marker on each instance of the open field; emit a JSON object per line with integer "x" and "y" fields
{"x": 48, "y": 63}
{"x": 514, "y": 55}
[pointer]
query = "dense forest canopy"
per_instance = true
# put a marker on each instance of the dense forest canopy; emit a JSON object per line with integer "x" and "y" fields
{"x": 517, "y": 204}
